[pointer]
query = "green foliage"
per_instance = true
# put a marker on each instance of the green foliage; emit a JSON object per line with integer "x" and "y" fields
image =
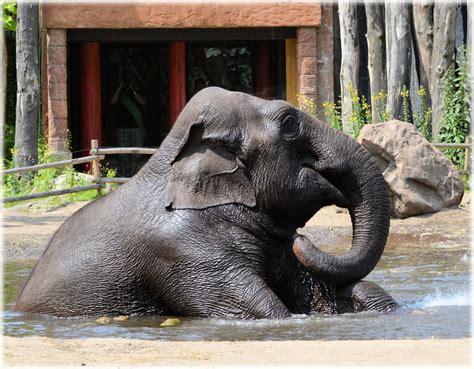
{"x": 333, "y": 113}
{"x": 455, "y": 120}
{"x": 422, "y": 119}
{"x": 9, "y": 16}
{"x": 237, "y": 59}
{"x": 405, "y": 94}
{"x": 46, "y": 180}
{"x": 307, "y": 104}
{"x": 361, "y": 113}
{"x": 9, "y": 122}
{"x": 380, "y": 100}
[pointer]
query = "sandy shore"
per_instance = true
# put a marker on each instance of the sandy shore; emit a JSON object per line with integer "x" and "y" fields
{"x": 99, "y": 352}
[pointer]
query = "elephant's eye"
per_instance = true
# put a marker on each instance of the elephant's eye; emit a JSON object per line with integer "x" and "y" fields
{"x": 290, "y": 127}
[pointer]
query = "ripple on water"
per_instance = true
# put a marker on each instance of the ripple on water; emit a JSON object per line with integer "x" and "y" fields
{"x": 430, "y": 281}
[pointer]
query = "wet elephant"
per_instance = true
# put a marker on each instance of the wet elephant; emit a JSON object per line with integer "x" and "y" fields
{"x": 208, "y": 226}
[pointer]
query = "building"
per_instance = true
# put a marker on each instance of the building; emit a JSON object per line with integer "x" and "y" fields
{"x": 171, "y": 50}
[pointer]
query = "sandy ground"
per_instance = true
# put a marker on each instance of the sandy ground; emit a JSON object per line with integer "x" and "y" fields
{"x": 27, "y": 229}
{"x": 95, "y": 352}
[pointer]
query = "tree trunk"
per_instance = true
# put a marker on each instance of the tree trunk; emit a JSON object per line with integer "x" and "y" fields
{"x": 423, "y": 24}
{"x": 349, "y": 58}
{"x": 27, "y": 106}
{"x": 376, "y": 52}
{"x": 470, "y": 29}
{"x": 469, "y": 38}
{"x": 444, "y": 33}
{"x": 397, "y": 28}
{"x": 4, "y": 57}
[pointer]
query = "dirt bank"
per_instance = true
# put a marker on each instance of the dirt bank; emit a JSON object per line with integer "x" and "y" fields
{"x": 28, "y": 228}
{"x": 99, "y": 351}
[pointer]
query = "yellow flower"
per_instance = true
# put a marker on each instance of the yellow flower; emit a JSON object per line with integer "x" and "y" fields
{"x": 422, "y": 91}
{"x": 405, "y": 93}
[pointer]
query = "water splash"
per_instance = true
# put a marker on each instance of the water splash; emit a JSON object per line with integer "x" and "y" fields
{"x": 456, "y": 298}
{"x": 466, "y": 258}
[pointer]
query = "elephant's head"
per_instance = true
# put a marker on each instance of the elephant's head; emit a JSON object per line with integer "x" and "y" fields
{"x": 272, "y": 157}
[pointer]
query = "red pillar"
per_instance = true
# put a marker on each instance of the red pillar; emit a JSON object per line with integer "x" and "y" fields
{"x": 264, "y": 85}
{"x": 91, "y": 112}
{"x": 177, "y": 79}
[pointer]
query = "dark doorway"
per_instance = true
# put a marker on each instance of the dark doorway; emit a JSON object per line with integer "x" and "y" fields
{"x": 233, "y": 65}
{"x": 134, "y": 99}
{"x": 248, "y": 60}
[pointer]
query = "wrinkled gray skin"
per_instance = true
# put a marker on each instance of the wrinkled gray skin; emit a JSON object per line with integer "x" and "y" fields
{"x": 207, "y": 227}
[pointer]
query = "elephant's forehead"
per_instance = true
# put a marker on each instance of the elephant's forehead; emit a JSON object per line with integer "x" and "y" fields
{"x": 238, "y": 107}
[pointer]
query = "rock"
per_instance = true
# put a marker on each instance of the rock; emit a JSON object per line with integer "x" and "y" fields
{"x": 61, "y": 182}
{"x": 419, "y": 177}
{"x": 103, "y": 320}
{"x": 170, "y": 322}
{"x": 121, "y": 318}
{"x": 107, "y": 319}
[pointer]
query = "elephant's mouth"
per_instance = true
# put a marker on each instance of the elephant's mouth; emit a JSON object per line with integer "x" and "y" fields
{"x": 326, "y": 188}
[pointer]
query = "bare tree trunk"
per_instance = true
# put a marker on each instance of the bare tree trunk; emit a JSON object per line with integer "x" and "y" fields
{"x": 27, "y": 64}
{"x": 444, "y": 28}
{"x": 349, "y": 58}
{"x": 4, "y": 57}
{"x": 423, "y": 24}
{"x": 469, "y": 38}
{"x": 470, "y": 29}
{"x": 397, "y": 26}
{"x": 376, "y": 52}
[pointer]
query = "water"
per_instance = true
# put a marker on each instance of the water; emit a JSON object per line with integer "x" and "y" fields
{"x": 431, "y": 281}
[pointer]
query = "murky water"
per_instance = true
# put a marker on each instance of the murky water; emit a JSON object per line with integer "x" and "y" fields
{"x": 429, "y": 278}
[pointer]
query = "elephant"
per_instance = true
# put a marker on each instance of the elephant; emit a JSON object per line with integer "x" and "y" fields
{"x": 208, "y": 226}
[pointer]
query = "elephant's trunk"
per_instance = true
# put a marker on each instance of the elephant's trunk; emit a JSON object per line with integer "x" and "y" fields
{"x": 351, "y": 169}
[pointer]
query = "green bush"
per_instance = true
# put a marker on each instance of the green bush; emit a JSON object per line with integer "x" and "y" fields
{"x": 361, "y": 113}
{"x": 422, "y": 119}
{"x": 45, "y": 180}
{"x": 380, "y": 100}
{"x": 455, "y": 118}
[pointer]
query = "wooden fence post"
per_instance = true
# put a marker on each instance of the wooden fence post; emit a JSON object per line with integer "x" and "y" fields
{"x": 467, "y": 155}
{"x": 96, "y": 163}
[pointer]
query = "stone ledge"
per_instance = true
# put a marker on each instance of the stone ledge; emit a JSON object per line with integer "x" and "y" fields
{"x": 180, "y": 15}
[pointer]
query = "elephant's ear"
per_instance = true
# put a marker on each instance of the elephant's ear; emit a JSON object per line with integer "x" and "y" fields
{"x": 205, "y": 173}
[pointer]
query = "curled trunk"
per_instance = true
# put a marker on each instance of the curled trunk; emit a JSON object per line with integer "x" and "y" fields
{"x": 351, "y": 169}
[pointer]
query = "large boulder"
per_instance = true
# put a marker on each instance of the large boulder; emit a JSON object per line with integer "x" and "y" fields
{"x": 419, "y": 177}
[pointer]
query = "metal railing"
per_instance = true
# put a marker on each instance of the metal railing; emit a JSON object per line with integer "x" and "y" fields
{"x": 96, "y": 155}
{"x": 467, "y": 146}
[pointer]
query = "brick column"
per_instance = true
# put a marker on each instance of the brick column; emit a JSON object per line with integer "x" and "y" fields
{"x": 306, "y": 61}
{"x": 56, "y": 69}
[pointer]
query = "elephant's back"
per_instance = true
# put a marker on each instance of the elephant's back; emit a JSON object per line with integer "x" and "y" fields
{"x": 92, "y": 262}
{"x": 97, "y": 260}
